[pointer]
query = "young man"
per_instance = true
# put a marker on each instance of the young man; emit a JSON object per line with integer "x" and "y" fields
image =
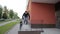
{"x": 26, "y": 17}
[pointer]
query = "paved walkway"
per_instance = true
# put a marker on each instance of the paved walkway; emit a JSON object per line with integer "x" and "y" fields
{"x": 14, "y": 30}
{"x": 51, "y": 31}
{"x": 48, "y": 30}
{"x": 6, "y": 22}
{"x": 26, "y": 27}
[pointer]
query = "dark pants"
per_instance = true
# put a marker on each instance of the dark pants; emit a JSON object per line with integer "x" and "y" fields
{"x": 20, "y": 24}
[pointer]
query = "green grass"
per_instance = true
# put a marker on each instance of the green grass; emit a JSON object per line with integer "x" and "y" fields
{"x": 5, "y": 21}
{"x": 6, "y": 27}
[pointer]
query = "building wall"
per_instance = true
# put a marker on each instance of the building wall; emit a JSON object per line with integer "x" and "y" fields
{"x": 42, "y": 13}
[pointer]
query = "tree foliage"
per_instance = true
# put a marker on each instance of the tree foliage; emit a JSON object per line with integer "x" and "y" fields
{"x": 4, "y": 16}
{"x": 7, "y": 14}
{"x": 16, "y": 15}
{"x": 0, "y": 11}
{"x": 11, "y": 13}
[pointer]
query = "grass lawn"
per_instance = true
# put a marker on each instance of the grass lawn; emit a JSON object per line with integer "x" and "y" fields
{"x": 7, "y": 20}
{"x": 6, "y": 27}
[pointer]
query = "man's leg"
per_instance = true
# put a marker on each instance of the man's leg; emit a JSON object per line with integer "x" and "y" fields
{"x": 20, "y": 26}
{"x": 26, "y": 20}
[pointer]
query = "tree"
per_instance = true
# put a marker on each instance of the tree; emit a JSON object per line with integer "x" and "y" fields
{"x": 15, "y": 15}
{"x": 4, "y": 16}
{"x": 11, "y": 14}
{"x": 5, "y": 13}
{"x": 1, "y": 11}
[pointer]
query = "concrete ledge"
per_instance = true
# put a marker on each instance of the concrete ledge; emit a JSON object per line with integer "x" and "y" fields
{"x": 29, "y": 32}
{"x": 43, "y": 25}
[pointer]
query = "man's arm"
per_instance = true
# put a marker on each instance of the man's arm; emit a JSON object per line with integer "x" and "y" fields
{"x": 23, "y": 16}
{"x": 28, "y": 15}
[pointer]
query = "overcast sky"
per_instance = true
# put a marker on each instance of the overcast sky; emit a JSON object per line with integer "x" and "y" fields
{"x": 18, "y": 6}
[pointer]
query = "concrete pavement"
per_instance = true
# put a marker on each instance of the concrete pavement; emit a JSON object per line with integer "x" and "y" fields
{"x": 14, "y": 30}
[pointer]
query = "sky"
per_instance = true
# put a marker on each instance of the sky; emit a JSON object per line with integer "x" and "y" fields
{"x": 18, "y": 6}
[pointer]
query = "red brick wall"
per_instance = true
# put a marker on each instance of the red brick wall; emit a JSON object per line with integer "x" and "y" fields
{"x": 42, "y": 13}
